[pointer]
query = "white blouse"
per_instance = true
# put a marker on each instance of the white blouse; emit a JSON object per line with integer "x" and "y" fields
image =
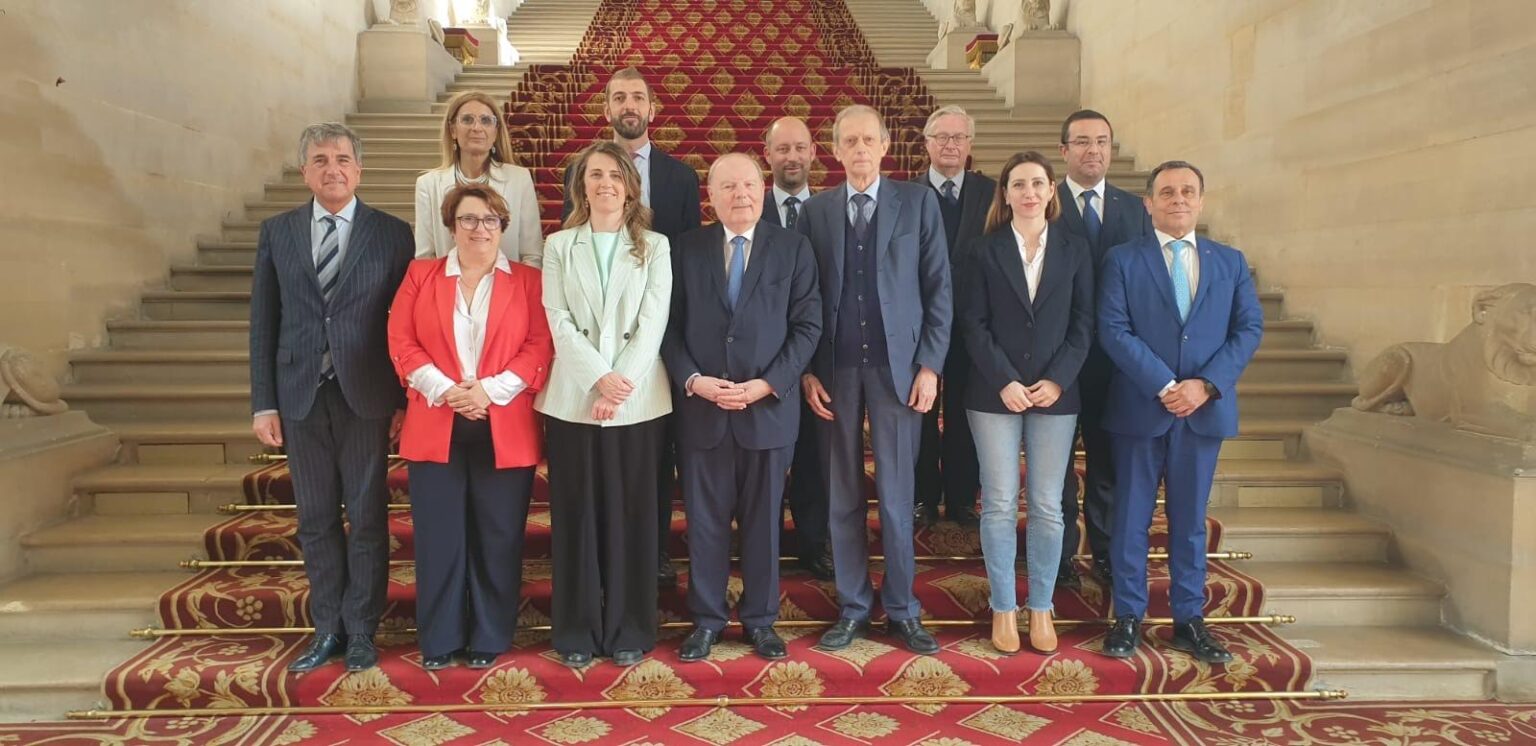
{"x": 469, "y": 323}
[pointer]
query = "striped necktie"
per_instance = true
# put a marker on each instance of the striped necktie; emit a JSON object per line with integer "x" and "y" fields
{"x": 327, "y": 270}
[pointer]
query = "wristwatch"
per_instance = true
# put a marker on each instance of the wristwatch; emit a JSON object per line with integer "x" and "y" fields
{"x": 1211, "y": 390}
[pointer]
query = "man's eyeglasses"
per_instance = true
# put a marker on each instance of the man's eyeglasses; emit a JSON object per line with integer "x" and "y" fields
{"x": 950, "y": 139}
{"x": 489, "y": 222}
{"x": 1083, "y": 143}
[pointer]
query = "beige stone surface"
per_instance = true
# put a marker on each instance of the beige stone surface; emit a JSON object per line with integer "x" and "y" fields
{"x": 129, "y": 128}
{"x": 1373, "y": 158}
{"x": 39, "y": 456}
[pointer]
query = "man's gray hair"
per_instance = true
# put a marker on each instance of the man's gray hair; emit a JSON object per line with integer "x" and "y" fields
{"x": 853, "y": 111}
{"x": 325, "y": 132}
{"x": 949, "y": 111}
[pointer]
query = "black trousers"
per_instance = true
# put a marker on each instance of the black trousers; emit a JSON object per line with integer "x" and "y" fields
{"x": 1098, "y": 501}
{"x": 602, "y": 491}
{"x": 947, "y": 469}
{"x": 338, "y": 458}
{"x": 807, "y": 488}
{"x": 719, "y": 484}
{"x": 666, "y": 483}
{"x": 470, "y": 517}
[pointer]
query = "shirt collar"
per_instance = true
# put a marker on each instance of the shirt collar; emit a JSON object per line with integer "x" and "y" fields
{"x": 873, "y": 191}
{"x": 1078, "y": 189}
{"x": 938, "y": 179}
{"x": 779, "y": 195}
{"x": 452, "y": 269}
{"x": 729, "y": 234}
{"x": 1018, "y": 239}
{"x": 346, "y": 213}
{"x": 644, "y": 153}
{"x": 1163, "y": 239}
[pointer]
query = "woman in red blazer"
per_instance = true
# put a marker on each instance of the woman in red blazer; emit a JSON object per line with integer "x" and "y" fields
{"x": 469, "y": 338}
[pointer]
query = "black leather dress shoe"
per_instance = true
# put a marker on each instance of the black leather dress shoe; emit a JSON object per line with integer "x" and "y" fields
{"x": 914, "y": 636}
{"x": 480, "y": 660}
{"x": 666, "y": 573}
{"x": 697, "y": 645}
{"x": 361, "y": 653}
{"x": 319, "y": 651}
{"x": 965, "y": 517}
{"x": 1123, "y": 637}
{"x": 1103, "y": 573}
{"x": 1069, "y": 579}
{"x": 923, "y": 515}
{"x": 437, "y": 662}
{"x": 766, "y": 643}
{"x": 576, "y": 659}
{"x": 819, "y": 564}
{"x": 627, "y": 658}
{"x": 1192, "y": 637}
{"x": 842, "y": 634}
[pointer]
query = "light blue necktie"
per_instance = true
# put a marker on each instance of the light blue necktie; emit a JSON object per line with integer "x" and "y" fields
{"x": 1180, "y": 278}
{"x": 738, "y": 268}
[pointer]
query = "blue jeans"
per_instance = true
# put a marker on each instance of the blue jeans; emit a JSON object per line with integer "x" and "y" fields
{"x": 1047, "y": 440}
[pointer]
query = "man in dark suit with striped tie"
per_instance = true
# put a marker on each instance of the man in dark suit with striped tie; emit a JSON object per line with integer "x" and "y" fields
{"x": 322, "y": 385}
{"x": 1106, "y": 216}
{"x": 790, "y": 150}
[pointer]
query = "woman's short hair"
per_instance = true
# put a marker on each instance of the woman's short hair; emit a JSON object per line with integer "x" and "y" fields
{"x": 637, "y": 217}
{"x": 1000, "y": 214}
{"x": 458, "y": 194}
{"x": 501, "y": 142}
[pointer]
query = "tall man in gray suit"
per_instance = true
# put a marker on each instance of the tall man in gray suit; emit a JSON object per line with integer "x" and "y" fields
{"x": 1105, "y": 216}
{"x": 886, "y": 310}
{"x": 322, "y": 384}
{"x": 746, "y": 315}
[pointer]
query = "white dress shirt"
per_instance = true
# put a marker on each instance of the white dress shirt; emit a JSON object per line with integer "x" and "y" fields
{"x": 469, "y": 323}
{"x": 1032, "y": 269}
{"x": 779, "y": 195}
{"x": 1191, "y": 269}
{"x": 1098, "y": 196}
{"x": 937, "y": 180}
{"x": 874, "y": 195}
{"x": 643, "y": 165}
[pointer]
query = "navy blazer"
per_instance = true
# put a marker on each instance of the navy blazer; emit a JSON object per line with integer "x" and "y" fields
{"x": 674, "y": 195}
{"x": 1011, "y": 338}
{"x": 292, "y": 326}
{"x": 976, "y": 193}
{"x": 1124, "y": 218}
{"x": 771, "y": 334}
{"x": 913, "y": 282}
{"x": 1140, "y": 330}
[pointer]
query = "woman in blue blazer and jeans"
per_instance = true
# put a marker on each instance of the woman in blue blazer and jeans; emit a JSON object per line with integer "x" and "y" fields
{"x": 1024, "y": 303}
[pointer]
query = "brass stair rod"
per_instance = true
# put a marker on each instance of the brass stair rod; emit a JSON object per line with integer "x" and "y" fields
{"x": 277, "y": 458}
{"x": 231, "y": 508}
{"x": 200, "y": 564}
{"x": 150, "y": 633}
{"x": 719, "y": 701}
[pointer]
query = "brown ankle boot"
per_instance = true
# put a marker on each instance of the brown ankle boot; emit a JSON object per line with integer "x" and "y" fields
{"x": 1042, "y": 632}
{"x": 1005, "y": 631}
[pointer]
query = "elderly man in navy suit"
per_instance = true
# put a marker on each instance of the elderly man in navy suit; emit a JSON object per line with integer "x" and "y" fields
{"x": 886, "y": 308}
{"x": 1179, "y": 317}
{"x": 322, "y": 384}
{"x": 1104, "y": 216}
{"x": 746, "y": 316}
{"x": 790, "y": 151}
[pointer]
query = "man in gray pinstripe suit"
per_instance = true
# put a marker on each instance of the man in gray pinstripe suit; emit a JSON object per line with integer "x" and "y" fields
{"x": 322, "y": 384}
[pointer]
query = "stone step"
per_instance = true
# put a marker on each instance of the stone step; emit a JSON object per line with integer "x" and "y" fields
{"x": 163, "y": 489}
{"x": 1353, "y": 594}
{"x": 117, "y": 543}
{"x": 137, "y": 334}
{"x": 1315, "y": 400}
{"x": 1275, "y": 483}
{"x": 1396, "y": 663}
{"x": 42, "y": 681}
{"x": 173, "y": 305}
{"x": 188, "y": 443}
{"x": 210, "y": 278}
{"x": 1304, "y": 534}
{"x": 82, "y": 606}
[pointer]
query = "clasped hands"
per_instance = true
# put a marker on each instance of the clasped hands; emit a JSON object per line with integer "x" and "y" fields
{"x": 1184, "y": 397}
{"x": 1017, "y": 397}
{"x": 729, "y": 395}
{"x": 468, "y": 398}
{"x": 925, "y": 389}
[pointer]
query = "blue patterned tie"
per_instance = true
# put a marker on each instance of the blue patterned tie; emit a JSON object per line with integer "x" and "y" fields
{"x": 861, "y": 202}
{"x": 948, "y": 190}
{"x": 1180, "y": 278}
{"x": 738, "y": 268}
{"x": 1091, "y": 216}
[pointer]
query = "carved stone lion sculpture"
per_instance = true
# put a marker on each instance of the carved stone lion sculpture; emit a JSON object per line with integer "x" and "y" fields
{"x": 1034, "y": 15}
{"x": 404, "y": 13}
{"x": 962, "y": 16}
{"x": 26, "y": 389}
{"x": 1483, "y": 380}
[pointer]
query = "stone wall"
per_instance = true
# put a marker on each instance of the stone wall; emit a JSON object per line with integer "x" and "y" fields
{"x": 1374, "y": 159}
{"x": 131, "y": 128}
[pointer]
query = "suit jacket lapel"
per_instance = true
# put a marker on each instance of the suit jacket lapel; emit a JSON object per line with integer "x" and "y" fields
{"x": 1203, "y": 256}
{"x": 771, "y": 208}
{"x": 447, "y": 289}
{"x": 503, "y": 290}
{"x": 1057, "y": 261}
{"x": 1122, "y": 210}
{"x": 357, "y": 242}
{"x": 1071, "y": 214}
{"x": 1006, "y": 248}
{"x": 302, "y": 245}
{"x": 837, "y": 225}
{"x": 759, "y": 256}
{"x": 887, "y": 212}
{"x": 620, "y": 274}
{"x": 713, "y": 269}
{"x": 584, "y": 261}
{"x": 1152, "y": 256}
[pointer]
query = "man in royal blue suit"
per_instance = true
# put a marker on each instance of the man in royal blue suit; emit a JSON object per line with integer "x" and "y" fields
{"x": 886, "y": 309}
{"x": 1179, "y": 317}
{"x": 746, "y": 316}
